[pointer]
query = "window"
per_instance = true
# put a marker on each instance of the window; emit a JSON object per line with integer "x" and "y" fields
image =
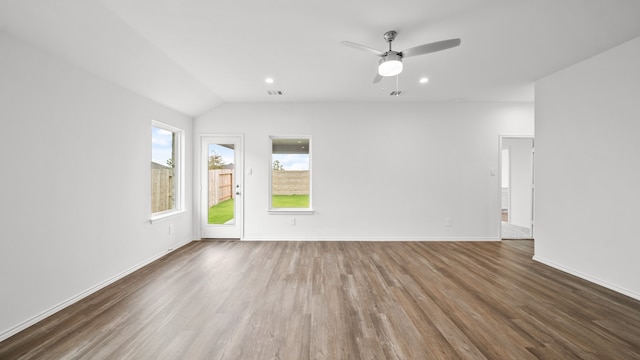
{"x": 290, "y": 174}
{"x": 166, "y": 170}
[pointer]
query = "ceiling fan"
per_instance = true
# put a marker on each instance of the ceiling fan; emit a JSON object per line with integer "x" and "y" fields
{"x": 390, "y": 63}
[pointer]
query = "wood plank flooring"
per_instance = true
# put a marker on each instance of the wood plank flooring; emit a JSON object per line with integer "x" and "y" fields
{"x": 342, "y": 300}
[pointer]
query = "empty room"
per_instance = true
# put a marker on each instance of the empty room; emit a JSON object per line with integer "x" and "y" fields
{"x": 189, "y": 179}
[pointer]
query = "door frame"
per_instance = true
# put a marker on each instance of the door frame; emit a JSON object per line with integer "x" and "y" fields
{"x": 532, "y": 192}
{"x": 203, "y": 178}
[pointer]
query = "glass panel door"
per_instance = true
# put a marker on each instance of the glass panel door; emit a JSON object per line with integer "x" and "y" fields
{"x": 221, "y": 185}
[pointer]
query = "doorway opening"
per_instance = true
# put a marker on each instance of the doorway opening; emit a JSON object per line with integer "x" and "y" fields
{"x": 517, "y": 187}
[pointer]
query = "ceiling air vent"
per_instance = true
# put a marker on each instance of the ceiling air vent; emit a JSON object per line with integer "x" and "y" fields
{"x": 395, "y": 93}
{"x": 274, "y": 92}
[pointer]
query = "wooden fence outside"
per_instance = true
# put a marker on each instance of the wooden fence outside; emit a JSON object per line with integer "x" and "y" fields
{"x": 220, "y": 186}
{"x": 162, "y": 196}
{"x": 290, "y": 182}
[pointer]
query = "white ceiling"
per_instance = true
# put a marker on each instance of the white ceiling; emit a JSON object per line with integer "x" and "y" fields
{"x": 192, "y": 55}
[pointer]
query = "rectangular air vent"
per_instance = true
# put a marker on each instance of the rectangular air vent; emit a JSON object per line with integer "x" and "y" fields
{"x": 274, "y": 92}
{"x": 395, "y": 93}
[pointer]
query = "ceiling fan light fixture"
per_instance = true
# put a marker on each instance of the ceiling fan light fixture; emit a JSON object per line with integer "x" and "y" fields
{"x": 390, "y": 64}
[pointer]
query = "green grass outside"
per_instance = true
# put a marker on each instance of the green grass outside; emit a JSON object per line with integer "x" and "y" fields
{"x": 221, "y": 213}
{"x": 290, "y": 201}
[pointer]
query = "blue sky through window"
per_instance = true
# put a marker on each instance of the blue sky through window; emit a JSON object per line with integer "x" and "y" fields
{"x": 223, "y": 151}
{"x": 161, "y": 144}
{"x": 293, "y": 161}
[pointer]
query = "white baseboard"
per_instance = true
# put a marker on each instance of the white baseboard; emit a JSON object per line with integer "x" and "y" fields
{"x": 589, "y": 278}
{"x": 25, "y": 324}
{"x": 380, "y": 239}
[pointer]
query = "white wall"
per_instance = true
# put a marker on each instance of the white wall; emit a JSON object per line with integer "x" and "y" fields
{"x": 520, "y": 169}
{"x": 75, "y": 183}
{"x": 380, "y": 171}
{"x": 588, "y": 171}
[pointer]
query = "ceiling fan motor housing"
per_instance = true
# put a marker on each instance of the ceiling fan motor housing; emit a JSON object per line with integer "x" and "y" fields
{"x": 390, "y": 64}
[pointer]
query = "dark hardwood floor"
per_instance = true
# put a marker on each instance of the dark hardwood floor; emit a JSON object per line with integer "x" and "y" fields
{"x": 342, "y": 300}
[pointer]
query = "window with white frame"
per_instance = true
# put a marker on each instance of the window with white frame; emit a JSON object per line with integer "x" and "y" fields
{"x": 290, "y": 186}
{"x": 167, "y": 175}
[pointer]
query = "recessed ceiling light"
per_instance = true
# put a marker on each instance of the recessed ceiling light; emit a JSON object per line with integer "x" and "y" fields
{"x": 268, "y": 80}
{"x": 424, "y": 80}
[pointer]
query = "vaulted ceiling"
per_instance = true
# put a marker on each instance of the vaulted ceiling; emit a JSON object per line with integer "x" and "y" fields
{"x": 192, "y": 55}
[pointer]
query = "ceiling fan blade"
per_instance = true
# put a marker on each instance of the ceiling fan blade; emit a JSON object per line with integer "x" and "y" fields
{"x": 431, "y": 47}
{"x": 362, "y": 48}
{"x": 377, "y": 78}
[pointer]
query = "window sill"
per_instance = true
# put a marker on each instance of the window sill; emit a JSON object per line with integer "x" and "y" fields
{"x": 290, "y": 211}
{"x": 166, "y": 215}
